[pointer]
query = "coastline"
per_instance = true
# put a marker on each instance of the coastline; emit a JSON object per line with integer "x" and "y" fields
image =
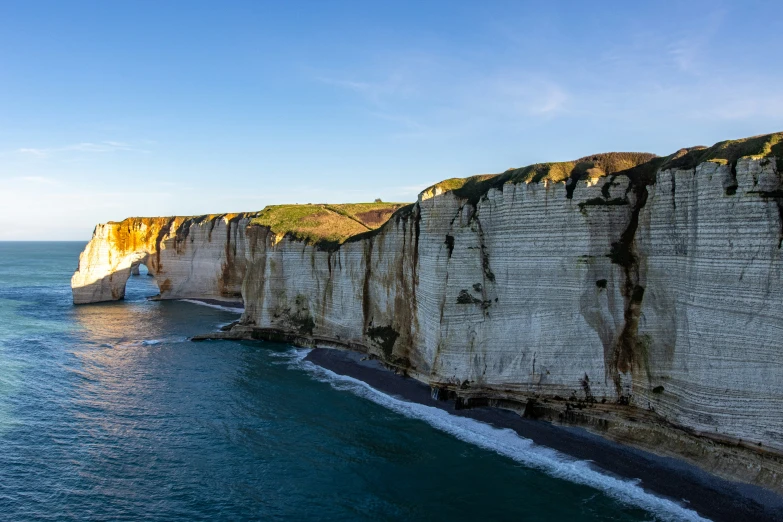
{"x": 707, "y": 494}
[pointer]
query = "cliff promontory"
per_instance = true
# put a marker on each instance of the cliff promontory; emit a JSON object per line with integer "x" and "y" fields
{"x": 639, "y": 296}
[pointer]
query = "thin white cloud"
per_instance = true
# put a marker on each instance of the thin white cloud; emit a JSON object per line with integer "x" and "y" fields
{"x": 688, "y": 52}
{"x": 403, "y": 120}
{"x": 527, "y": 96}
{"x": 442, "y": 98}
{"x": 103, "y": 146}
{"x": 394, "y": 84}
{"x": 39, "y": 180}
{"x": 35, "y": 152}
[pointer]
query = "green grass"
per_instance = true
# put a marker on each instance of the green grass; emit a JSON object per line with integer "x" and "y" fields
{"x": 595, "y": 166}
{"x": 325, "y": 225}
{"x": 329, "y": 226}
{"x": 452, "y": 184}
{"x": 641, "y": 167}
{"x": 728, "y": 152}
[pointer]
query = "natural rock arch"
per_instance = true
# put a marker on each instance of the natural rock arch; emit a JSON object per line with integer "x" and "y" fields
{"x": 108, "y": 283}
{"x": 116, "y": 250}
{"x": 200, "y": 257}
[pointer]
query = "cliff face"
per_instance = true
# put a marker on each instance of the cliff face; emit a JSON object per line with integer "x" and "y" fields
{"x": 712, "y": 313}
{"x": 200, "y": 257}
{"x": 204, "y": 256}
{"x": 671, "y": 300}
{"x": 631, "y": 296}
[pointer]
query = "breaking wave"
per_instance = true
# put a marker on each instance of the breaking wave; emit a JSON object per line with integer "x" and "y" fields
{"x": 504, "y": 441}
{"x": 232, "y": 309}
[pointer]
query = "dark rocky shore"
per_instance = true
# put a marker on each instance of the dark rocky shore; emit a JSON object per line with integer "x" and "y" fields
{"x": 708, "y": 495}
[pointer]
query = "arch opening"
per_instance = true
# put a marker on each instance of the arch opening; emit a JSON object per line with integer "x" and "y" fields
{"x": 140, "y": 282}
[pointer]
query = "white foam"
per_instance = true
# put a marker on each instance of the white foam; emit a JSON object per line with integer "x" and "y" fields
{"x": 217, "y": 306}
{"x": 146, "y": 342}
{"x": 223, "y": 325}
{"x": 505, "y": 442}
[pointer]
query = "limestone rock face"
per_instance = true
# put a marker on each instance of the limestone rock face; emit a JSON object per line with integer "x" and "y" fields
{"x": 661, "y": 295}
{"x": 712, "y": 315}
{"x": 201, "y": 257}
{"x": 668, "y": 296}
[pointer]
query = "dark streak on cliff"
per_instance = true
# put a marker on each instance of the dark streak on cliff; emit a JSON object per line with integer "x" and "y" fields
{"x": 181, "y": 235}
{"x": 229, "y": 265}
{"x": 401, "y": 312}
{"x": 449, "y": 244}
{"x": 366, "y": 283}
{"x": 488, "y": 274}
{"x": 161, "y": 234}
{"x": 417, "y": 232}
{"x": 407, "y": 311}
{"x": 625, "y": 356}
{"x": 212, "y": 222}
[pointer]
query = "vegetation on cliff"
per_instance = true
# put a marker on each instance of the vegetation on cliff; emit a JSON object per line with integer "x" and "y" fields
{"x": 729, "y": 151}
{"x": 329, "y": 226}
{"x": 589, "y": 167}
{"x": 636, "y": 165}
{"x": 322, "y": 224}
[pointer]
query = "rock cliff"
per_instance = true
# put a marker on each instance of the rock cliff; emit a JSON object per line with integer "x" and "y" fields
{"x": 637, "y": 295}
{"x": 200, "y": 257}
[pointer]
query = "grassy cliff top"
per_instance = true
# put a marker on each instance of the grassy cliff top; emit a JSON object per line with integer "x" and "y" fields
{"x": 634, "y": 164}
{"x": 331, "y": 225}
{"x": 729, "y": 151}
{"x": 595, "y": 166}
{"x": 177, "y": 220}
{"x": 324, "y": 224}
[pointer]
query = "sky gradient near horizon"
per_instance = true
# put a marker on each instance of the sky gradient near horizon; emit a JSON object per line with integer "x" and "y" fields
{"x": 116, "y": 109}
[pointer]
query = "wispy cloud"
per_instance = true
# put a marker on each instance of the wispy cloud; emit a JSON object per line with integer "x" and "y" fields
{"x": 38, "y": 180}
{"x": 687, "y": 52}
{"x": 524, "y": 95}
{"x": 34, "y": 152}
{"x": 394, "y": 84}
{"x": 89, "y": 147}
{"x": 440, "y": 98}
{"x": 403, "y": 120}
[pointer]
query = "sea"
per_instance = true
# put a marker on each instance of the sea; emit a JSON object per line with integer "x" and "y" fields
{"x": 110, "y": 412}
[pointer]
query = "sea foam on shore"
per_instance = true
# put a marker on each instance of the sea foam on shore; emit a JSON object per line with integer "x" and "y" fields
{"x": 503, "y": 441}
{"x": 236, "y": 310}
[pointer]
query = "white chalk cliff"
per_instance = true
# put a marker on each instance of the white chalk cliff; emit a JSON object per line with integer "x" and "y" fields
{"x": 201, "y": 257}
{"x": 643, "y": 300}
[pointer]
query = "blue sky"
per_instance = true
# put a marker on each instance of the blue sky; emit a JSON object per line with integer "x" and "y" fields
{"x": 113, "y": 109}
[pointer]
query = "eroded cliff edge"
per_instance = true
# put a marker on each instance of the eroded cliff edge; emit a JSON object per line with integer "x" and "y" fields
{"x": 199, "y": 257}
{"x": 636, "y": 295}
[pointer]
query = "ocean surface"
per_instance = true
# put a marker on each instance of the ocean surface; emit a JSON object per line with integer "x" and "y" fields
{"x": 108, "y": 412}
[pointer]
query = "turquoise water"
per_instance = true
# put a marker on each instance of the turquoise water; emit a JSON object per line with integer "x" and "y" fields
{"x": 108, "y": 412}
